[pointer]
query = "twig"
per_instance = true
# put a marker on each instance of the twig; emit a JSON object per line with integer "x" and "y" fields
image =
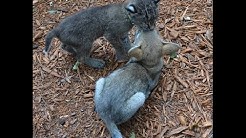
{"x": 79, "y": 75}
{"x": 182, "y": 17}
{"x": 181, "y": 81}
{"x": 185, "y": 27}
{"x": 183, "y": 60}
{"x": 207, "y": 42}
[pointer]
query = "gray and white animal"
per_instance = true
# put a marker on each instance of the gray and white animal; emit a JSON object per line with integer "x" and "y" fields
{"x": 78, "y": 31}
{"x": 119, "y": 95}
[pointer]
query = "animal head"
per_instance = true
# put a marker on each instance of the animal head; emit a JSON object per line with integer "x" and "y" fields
{"x": 143, "y": 13}
{"x": 145, "y": 52}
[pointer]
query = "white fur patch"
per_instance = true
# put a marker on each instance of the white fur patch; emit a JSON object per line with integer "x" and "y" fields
{"x": 136, "y": 101}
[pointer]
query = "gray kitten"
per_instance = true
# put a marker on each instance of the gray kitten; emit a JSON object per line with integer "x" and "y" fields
{"x": 78, "y": 31}
{"x": 119, "y": 95}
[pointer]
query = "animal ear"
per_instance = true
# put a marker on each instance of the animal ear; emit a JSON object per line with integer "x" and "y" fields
{"x": 136, "y": 52}
{"x": 131, "y": 8}
{"x": 156, "y": 1}
{"x": 169, "y": 48}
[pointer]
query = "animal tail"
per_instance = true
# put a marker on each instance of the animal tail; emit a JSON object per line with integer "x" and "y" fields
{"x": 113, "y": 129}
{"x": 48, "y": 40}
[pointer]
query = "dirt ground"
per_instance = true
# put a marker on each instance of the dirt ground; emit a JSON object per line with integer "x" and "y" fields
{"x": 181, "y": 106}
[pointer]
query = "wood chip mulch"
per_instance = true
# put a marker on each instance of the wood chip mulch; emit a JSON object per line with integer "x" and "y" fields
{"x": 181, "y": 106}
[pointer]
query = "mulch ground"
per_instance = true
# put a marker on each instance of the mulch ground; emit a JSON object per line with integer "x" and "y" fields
{"x": 181, "y": 106}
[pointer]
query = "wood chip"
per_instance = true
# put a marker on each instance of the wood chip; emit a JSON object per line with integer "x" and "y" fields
{"x": 88, "y": 95}
{"x": 163, "y": 131}
{"x": 181, "y": 81}
{"x": 177, "y": 130}
{"x": 173, "y": 33}
{"x": 157, "y": 131}
{"x": 187, "y": 50}
{"x": 38, "y": 35}
{"x": 38, "y": 23}
{"x": 190, "y": 133}
{"x": 38, "y": 99}
{"x": 182, "y": 120}
{"x": 207, "y": 124}
{"x": 206, "y": 133}
{"x": 161, "y": 26}
{"x": 175, "y": 102}
{"x": 209, "y": 35}
{"x": 55, "y": 54}
{"x": 201, "y": 32}
{"x": 185, "y": 39}
{"x": 46, "y": 60}
{"x": 73, "y": 121}
{"x": 182, "y": 16}
{"x": 174, "y": 89}
{"x": 51, "y": 72}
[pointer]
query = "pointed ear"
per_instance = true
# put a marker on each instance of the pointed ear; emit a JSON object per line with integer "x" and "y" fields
{"x": 136, "y": 52}
{"x": 169, "y": 48}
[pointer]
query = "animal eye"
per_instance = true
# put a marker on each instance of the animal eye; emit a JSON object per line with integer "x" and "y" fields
{"x": 131, "y": 8}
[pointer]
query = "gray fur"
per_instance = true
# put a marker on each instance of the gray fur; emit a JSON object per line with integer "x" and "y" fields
{"x": 78, "y": 31}
{"x": 119, "y": 95}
